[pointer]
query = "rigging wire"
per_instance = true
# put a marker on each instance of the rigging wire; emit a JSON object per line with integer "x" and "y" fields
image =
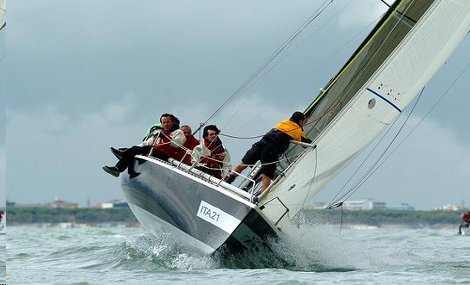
{"x": 280, "y": 57}
{"x": 312, "y": 179}
{"x": 333, "y": 81}
{"x": 370, "y": 170}
{"x": 314, "y": 174}
{"x": 335, "y": 199}
{"x": 381, "y": 161}
{"x": 389, "y": 34}
{"x": 326, "y": 59}
{"x": 422, "y": 119}
{"x": 292, "y": 50}
{"x": 285, "y": 55}
{"x": 270, "y": 59}
{"x": 306, "y": 124}
{"x": 402, "y": 16}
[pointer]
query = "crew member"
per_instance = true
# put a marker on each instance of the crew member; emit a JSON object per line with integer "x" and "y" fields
{"x": 210, "y": 156}
{"x": 271, "y": 147}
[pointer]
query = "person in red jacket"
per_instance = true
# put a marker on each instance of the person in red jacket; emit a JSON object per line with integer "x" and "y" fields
{"x": 210, "y": 156}
{"x": 162, "y": 143}
{"x": 169, "y": 140}
{"x": 184, "y": 154}
{"x": 465, "y": 221}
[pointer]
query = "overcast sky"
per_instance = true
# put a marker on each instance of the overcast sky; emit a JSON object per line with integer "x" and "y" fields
{"x": 89, "y": 74}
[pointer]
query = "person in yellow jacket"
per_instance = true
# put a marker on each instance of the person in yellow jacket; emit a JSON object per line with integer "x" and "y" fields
{"x": 273, "y": 144}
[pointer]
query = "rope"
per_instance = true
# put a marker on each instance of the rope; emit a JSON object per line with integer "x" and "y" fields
{"x": 219, "y": 161}
{"x": 306, "y": 124}
{"x": 241, "y": 138}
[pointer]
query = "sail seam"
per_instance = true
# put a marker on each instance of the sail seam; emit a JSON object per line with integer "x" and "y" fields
{"x": 383, "y": 98}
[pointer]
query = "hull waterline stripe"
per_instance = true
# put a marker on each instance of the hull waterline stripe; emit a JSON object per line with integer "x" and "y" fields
{"x": 385, "y": 99}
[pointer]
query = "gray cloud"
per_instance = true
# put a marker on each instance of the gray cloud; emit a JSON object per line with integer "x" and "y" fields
{"x": 93, "y": 74}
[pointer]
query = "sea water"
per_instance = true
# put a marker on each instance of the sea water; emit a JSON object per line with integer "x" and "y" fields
{"x": 317, "y": 255}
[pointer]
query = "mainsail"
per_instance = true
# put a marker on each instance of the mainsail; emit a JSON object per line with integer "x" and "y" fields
{"x": 396, "y": 60}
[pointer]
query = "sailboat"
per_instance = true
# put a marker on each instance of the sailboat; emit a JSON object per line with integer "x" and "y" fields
{"x": 387, "y": 71}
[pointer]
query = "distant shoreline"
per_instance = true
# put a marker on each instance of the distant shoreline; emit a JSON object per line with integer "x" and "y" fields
{"x": 56, "y": 216}
{"x": 17, "y": 216}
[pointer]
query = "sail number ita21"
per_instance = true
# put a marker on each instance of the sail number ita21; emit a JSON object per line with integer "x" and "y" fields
{"x": 211, "y": 214}
{"x": 217, "y": 217}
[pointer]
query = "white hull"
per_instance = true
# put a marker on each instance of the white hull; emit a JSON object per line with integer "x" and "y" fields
{"x": 197, "y": 212}
{"x": 157, "y": 226}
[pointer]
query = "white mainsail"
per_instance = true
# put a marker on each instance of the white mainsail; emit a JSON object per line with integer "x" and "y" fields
{"x": 384, "y": 75}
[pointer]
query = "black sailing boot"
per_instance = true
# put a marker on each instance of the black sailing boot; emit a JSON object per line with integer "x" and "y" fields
{"x": 113, "y": 170}
{"x": 117, "y": 152}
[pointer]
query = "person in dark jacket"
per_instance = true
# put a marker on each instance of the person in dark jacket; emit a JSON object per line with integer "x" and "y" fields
{"x": 161, "y": 143}
{"x": 271, "y": 147}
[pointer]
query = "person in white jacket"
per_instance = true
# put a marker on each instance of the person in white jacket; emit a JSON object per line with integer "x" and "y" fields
{"x": 210, "y": 156}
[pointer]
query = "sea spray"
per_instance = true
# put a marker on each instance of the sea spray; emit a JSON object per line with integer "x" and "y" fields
{"x": 159, "y": 253}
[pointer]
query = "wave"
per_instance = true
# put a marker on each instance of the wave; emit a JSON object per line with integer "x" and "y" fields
{"x": 314, "y": 249}
{"x": 162, "y": 253}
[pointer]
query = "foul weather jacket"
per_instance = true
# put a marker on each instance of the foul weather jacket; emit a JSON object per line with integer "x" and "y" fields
{"x": 283, "y": 133}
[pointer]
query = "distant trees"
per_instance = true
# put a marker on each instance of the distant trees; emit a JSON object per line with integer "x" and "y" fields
{"x": 58, "y": 215}
{"x": 381, "y": 217}
{"x": 19, "y": 215}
